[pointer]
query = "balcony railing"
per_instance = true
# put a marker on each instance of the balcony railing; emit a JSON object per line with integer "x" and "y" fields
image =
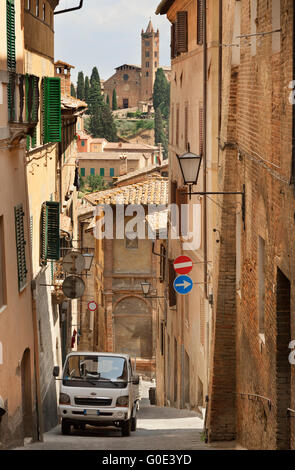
{"x": 23, "y": 102}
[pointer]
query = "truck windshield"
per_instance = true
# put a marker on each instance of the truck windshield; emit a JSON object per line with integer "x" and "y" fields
{"x": 97, "y": 371}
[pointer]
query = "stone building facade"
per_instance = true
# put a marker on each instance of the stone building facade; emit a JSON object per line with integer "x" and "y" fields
{"x": 126, "y": 321}
{"x": 187, "y": 327}
{"x": 134, "y": 84}
{"x": 252, "y": 395}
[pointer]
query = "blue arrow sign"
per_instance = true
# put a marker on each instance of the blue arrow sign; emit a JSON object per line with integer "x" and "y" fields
{"x": 183, "y": 285}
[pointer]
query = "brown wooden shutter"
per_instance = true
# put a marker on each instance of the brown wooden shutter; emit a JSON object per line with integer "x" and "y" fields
{"x": 202, "y": 322}
{"x": 172, "y": 276}
{"x": 200, "y": 22}
{"x": 181, "y": 199}
{"x": 182, "y": 32}
{"x": 173, "y": 40}
{"x": 201, "y": 130}
{"x": 177, "y": 125}
{"x": 186, "y": 127}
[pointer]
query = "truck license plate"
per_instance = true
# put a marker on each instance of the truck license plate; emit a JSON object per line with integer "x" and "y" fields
{"x": 91, "y": 412}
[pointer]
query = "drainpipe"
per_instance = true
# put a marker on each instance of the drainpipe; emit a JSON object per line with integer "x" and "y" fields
{"x": 69, "y": 9}
{"x": 205, "y": 61}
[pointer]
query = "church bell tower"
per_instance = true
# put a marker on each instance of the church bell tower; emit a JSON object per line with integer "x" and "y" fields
{"x": 150, "y": 49}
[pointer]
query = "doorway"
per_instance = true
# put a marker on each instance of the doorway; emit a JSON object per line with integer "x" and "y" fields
{"x": 26, "y": 394}
{"x": 283, "y": 366}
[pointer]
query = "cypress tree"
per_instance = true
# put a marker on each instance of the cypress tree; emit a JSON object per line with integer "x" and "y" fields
{"x": 81, "y": 87}
{"x": 160, "y": 136}
{"x": 95, "y": 77}
{"x": 87, "y": 89}
{"x": 114, "y": 100}
{"x": 73, "y": 91}
{"x": 108, "y": 100}
{"x": 161, "y": 94}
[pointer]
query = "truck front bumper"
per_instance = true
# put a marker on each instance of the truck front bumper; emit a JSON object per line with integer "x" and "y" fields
{"x": 75, "y": 413}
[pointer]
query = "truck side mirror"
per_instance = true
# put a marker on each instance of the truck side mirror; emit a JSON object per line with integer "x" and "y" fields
{"x": 55, "y": 372}
{"x": 135, "y": 380}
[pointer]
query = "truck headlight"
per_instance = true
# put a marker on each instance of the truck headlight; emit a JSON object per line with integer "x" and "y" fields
{"x": 123, "y": 401}
{"x": 64, "y": 399}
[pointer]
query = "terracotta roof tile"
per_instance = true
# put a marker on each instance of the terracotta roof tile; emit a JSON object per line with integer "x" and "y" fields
{"x": 152, "y": 191}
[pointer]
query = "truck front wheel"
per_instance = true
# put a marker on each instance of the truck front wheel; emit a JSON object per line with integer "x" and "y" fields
{"x": 65, "y": 428}
{"x": 126, "y": 427}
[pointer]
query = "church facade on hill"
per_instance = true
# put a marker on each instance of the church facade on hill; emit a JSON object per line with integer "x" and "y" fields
{"x": 134, "y": 84}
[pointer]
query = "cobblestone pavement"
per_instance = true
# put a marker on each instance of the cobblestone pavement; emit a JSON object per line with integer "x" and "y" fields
{"x": 157, "y": 429}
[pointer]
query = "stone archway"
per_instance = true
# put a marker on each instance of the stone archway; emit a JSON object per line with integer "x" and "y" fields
{"x": 133, "y": 327}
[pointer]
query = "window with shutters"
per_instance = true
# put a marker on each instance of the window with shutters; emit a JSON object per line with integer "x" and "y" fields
{"x": 201, "y": 129}
{"x": 112, "y": 172}
{"x": 92, "y": 171}
{"x": 177, "y": 125}
{"x": 101, "y": 172}
{"x": 11, "y": 56}
{"x": 172, "y": 276}
{"x": 182, "y": 32}
{"x": 162, "y": 263}
{"x": 82, "y": 171}
{"x": 186, "y": 126}
{"x": 20, "y": 246}
{"x": 50, "y": 241}
{"x": 182, "y": 203}
{"x": 202, "y": 321}
{"x": 2, "y": 266}
{"x": 173, "y": 41}
{"x": 200, "y": 22}
{"x": 51, "y": 110}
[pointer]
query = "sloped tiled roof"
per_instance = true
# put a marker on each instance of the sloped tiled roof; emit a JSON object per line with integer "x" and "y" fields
{"x": 69, "y": 103}
{"x": 152, "y": 191}
{"x": 142, "y": 171}
{"x": 130, "y": 146}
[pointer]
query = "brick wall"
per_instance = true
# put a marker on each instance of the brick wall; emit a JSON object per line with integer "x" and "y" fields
{"x": 254, "y": 367}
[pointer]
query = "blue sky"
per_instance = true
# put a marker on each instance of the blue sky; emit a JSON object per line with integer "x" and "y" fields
{"x": 106, "y": 33}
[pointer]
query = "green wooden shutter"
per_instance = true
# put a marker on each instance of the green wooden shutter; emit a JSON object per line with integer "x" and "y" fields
{"x": 50, "y": 241}
{"x": 92, "y": 171}
{"x": 102, "y": 172}
{"x": 20, "y": 246}
{"x": 82, "y": 171}
{"x": 10, "y": 24}
{"x": 52, "y": 110}
{"x": 112, "y": 172}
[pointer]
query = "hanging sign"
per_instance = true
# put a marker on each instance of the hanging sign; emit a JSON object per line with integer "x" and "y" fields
{"x": 183, "y": 265}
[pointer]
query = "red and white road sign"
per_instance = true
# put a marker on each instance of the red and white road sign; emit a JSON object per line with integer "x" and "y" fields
{"x": 92, "y": 306}
{"x": 183, "y": 265}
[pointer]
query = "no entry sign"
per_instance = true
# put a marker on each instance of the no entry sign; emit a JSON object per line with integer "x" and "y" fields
{"x": 183, "y": 265}
{"x": 92, "y": 306}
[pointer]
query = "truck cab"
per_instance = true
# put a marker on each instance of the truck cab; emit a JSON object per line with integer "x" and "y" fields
{"x": 98, "y": 389}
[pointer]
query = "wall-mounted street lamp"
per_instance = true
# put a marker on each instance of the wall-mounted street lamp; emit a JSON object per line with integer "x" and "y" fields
{"x": 88, "y": 258}
{"x": 145, "y": 287}
{"x": 190, "y": 165}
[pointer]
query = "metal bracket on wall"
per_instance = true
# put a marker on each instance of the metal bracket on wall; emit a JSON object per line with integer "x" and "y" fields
{"x": 224, "y": 193}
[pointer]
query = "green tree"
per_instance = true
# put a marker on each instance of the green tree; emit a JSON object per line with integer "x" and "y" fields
{"x": 81, "y": 86}
{"x": 160, "y": 134}
{"x": 87, "y": 89}
{"x": 95, "y": 77}
{"x": 73, "y": 91}
{"x": 96, "y": 183}
{"x": 161, "y": 94}
{"x": 108, "y": 100}
{"x": 101, "y": 122}
{"x": 114, "y": 100}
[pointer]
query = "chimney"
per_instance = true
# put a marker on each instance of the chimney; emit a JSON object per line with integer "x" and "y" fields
{"x": 63, "y": 71}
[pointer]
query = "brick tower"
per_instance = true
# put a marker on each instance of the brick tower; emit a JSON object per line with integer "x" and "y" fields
{"x": 149, "y": 60}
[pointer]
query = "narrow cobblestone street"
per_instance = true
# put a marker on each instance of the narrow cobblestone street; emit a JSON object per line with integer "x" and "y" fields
{"x": 158, "y": 428}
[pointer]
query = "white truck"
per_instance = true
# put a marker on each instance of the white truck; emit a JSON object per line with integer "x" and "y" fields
{"x": 98, "y": 389}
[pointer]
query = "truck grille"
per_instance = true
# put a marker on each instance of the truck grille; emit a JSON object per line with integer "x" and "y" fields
{"x": 93, "y": 401}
